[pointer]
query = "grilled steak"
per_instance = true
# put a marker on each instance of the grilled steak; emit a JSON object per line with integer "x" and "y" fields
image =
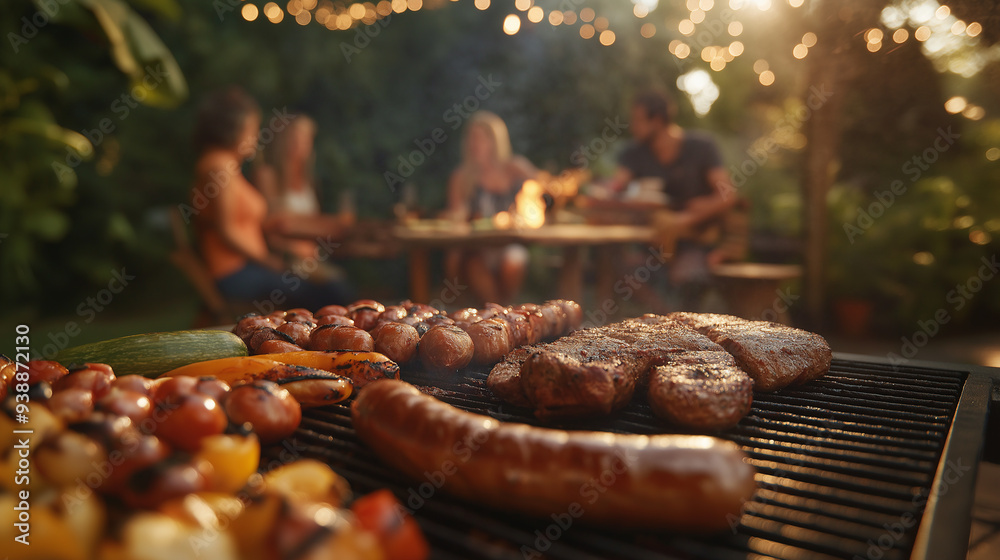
{"x": 596, "y": 371}
{"x": 505, "y": 377}
{"x": 774, "y": 355}
{"x": 702, "y": 390}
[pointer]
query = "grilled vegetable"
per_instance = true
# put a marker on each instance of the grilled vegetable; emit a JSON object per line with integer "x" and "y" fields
{"x": 361, "y": 367}
{"x": 155, "y": 353}
{"x": 310, "y": 386}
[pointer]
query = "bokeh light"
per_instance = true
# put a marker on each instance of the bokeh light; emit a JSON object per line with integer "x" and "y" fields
{"x": 511, "y": 24}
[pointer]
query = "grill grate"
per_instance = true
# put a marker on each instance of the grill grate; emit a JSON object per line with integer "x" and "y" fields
{"x": 844, "y": 463}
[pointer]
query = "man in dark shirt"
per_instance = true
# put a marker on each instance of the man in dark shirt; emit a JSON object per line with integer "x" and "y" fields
{"x": 697, "y": 186}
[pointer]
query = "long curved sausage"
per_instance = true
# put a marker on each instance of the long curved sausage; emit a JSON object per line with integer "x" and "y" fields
{"x": 676, "y": 482}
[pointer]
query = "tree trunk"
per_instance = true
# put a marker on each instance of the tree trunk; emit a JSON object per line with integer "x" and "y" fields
{"x": 830, "y": 68}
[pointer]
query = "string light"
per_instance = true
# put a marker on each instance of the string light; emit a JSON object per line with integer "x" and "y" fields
{"x": 809, "y": 39}
{"x": 587, "y": 31}
{"x": 555, "y": 17}
{"x": 800, "y": 51}
{"x": 587, "y": 15}
{"x": 766, "y": 77}
{"x": 511, "y": 24}
{"x": 522, "y": 5}
{"x": 647, "y": 30}
{"x": 900, "y": 35}
{"x": 607, "y": 37}
{"x": 482, "y": 4}
{"x": 735, "y": 28}
{"x": 249, "y": 12}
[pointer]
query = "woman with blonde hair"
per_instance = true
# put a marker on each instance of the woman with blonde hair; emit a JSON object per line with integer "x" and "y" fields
{"x": 484, "y": 184}
{"x": 285, "y": 176}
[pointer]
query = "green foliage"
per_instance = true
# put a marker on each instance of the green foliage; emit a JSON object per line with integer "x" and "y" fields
{"x": 55, "y": 238}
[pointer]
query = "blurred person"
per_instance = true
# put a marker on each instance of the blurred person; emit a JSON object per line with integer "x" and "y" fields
{"x": 284, "y": 173}
{"x": 231, "y": 213}
{"x": 687, "y": 168}
{"x": 486, "y": 183}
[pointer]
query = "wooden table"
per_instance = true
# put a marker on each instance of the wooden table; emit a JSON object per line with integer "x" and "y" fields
{"x": 573, "y": 238}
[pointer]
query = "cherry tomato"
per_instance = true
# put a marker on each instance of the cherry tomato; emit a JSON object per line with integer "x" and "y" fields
{"x": 269, "y": 408}
{"x": 124, "y": 402}
{"x": 213, "y": 387}
{"x": 184, "y": 420}
{"x": 165, "y": 388}
{"x": 97, "y": 381}
{"x": 72, "y": 405}
{"x": 174, "y": 477}
{"x": 136, "y": 383}
{"x": 234, "y": 459}
{"x": 399, "y": 535}
{"x": 134, "y": 451}
{"x": 45, "y": 370}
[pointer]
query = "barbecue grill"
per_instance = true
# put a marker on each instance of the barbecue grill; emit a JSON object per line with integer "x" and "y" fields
{"x": 873, "y": 461}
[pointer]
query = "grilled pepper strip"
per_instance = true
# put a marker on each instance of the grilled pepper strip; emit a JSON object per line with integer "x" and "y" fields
{"x": 361, "y": 367}
{"x": 310, "y": 386}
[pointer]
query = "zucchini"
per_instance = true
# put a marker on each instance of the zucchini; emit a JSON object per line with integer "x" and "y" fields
{"x": 151, "y": 354}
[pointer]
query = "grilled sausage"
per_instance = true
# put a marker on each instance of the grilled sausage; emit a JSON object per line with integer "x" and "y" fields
{"x": 490, "y": 340}
{"x": 445, "y": 348}
{"x": 397, "y": 341}
{"x": 675, "y": 482}
{"x": 337, "y": 337}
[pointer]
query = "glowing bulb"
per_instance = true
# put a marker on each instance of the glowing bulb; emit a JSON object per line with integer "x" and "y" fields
{"x": 511, "y": 24}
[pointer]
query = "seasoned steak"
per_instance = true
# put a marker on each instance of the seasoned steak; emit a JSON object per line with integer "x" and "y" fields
{"x": 505, "y": 377}
{"x": 774, "y": 355}
{"x": 584, "y": 373}
{"x": 596, "y": 371}
{"x": 702, "y": 390}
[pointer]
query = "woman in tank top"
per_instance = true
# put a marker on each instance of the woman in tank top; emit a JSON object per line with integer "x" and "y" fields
{"x": 230, "y": 214}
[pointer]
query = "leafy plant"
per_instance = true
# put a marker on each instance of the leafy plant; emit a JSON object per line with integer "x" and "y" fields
{"x": 40, "y": 159}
